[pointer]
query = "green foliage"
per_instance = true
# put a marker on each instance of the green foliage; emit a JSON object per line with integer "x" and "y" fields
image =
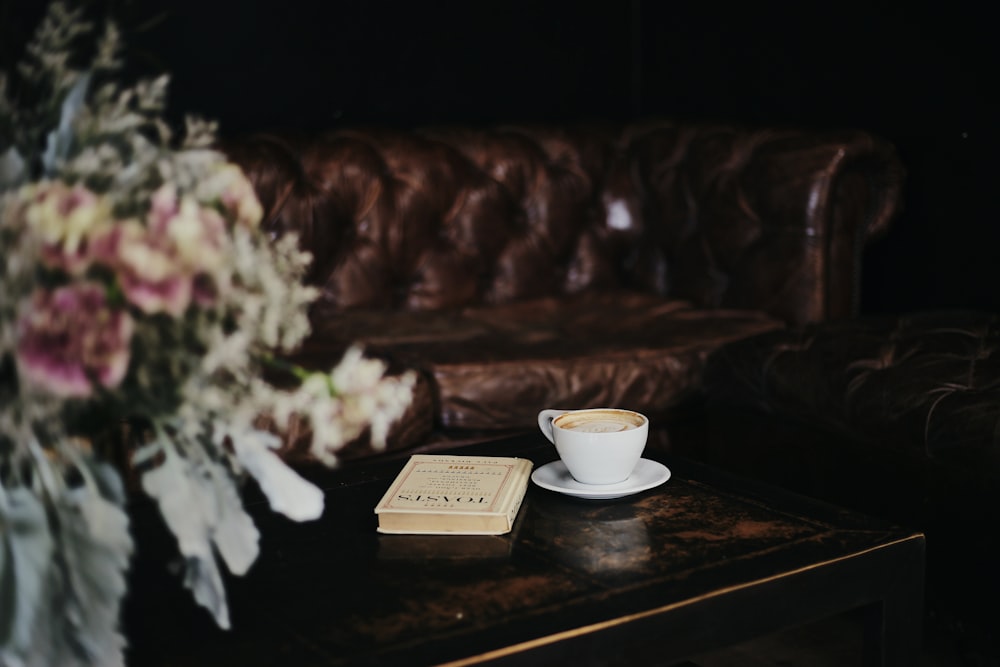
{"x": 137, "y": 286}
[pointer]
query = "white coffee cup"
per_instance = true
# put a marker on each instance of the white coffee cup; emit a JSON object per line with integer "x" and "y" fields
{"x": 598, "y": 445}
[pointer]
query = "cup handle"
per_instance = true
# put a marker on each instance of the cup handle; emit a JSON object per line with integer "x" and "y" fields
{"x": 545, "y": 418}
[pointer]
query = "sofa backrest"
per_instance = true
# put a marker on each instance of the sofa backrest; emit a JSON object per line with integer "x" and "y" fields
{"x": 451, "y": 217}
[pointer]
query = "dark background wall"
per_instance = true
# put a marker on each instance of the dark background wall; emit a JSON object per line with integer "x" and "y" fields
{"x": 920, "y": 77}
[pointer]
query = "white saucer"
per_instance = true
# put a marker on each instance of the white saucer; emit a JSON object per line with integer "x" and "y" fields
{"x": 554, "y": 477}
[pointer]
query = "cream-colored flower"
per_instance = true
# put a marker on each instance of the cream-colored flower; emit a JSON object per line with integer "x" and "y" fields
{"x": 147, "y": 269}
{"x": 140, "y": 253}
{"x": 197, "y": 234}
{"x": 363, "y": 398}
{"x": 228, "y": 185}
{"x": 64, "y": 215}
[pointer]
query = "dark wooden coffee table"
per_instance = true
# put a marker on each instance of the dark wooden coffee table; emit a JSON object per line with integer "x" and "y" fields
{"x": 704, "y": 561}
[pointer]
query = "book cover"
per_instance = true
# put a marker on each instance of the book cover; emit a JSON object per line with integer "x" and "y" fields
{"x": 447, "y": 494}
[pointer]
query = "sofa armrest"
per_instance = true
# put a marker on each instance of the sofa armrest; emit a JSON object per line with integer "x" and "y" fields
{"x": 764, "y": 219}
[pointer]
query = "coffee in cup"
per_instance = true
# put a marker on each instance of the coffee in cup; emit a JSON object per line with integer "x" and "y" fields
{"x": 597, "y": 445}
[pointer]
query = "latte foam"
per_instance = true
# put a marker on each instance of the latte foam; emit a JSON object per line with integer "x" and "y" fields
{"x": 606, "y": 426}
{"x": 599, "y": 421}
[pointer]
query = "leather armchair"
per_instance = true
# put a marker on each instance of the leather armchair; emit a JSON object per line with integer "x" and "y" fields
{"x": 894, "y": 415}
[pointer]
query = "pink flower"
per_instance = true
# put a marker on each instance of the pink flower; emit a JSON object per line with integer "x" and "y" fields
{"x": 74, "y": 262}
{"x": 149, "y": 272}
{"x": 64, "y": 218}
{"x": 166, "y": 264}
{"x": 196, "y": 233}
{"x": 69, "y": 338}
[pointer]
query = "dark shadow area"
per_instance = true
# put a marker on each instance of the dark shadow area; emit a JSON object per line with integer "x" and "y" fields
{"x": 920, "y": 76}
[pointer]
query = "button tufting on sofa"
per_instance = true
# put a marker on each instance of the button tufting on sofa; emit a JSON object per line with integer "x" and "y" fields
{"x": 569, "y": 266}
{"x": 895, "y": 415}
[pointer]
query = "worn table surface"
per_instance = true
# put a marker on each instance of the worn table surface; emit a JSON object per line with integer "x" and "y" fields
{"x": 699, "y": 562}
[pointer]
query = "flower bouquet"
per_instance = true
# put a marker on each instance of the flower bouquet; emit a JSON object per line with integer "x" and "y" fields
{"x": 137, "y": 285}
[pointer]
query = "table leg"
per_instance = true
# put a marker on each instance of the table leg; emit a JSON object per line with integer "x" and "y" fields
{"x": 893, "y": 627}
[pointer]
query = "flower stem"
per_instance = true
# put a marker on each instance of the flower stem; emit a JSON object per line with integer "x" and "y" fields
{"x": 280, "y": 364}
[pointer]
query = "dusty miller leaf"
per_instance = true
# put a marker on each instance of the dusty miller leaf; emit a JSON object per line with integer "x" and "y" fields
{"x": 178, "y": 500}
{"x": 201, "y": 507}
{"x": 12, "y": 169}
{"x": 202, "y": 578}
{"x": 27, "y": 547}
{"x": 96, "y": 546}
{"x": 109, "y": 482}
{"x": 235, "y": 535}
{"x": 60, "y": 140}
{"x": 286, "y": 491}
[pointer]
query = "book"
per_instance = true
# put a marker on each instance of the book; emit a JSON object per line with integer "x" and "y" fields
{"x": 447, "y": 494}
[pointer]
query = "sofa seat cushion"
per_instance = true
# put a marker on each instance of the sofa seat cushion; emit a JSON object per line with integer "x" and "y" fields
{"x": 926, "y": 386}
{"x": 495, "y": 367}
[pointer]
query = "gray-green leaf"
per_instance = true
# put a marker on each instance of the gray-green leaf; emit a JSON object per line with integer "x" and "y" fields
{"x": 286, "y": 491}
{"x": 201, "y": 507}
{"x": 12, "y": 169}
{"x": 96, "y": 546}
{"x": 60, "y": 140}
{"x": 27, "y": 548}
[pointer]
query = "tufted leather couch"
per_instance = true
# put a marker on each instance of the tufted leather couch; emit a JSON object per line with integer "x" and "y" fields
{"x": 521, "y": 267}
{"x": 895, "y": 415}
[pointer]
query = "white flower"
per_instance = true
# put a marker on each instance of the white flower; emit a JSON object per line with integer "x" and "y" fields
{"x": 162, "y": 299}
{"x": 228, "y": 185}
{"x": 63, "y": 215}
{"x": 356, "y": 396}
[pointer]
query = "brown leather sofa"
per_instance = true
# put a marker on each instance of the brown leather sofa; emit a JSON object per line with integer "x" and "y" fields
{"x": 520, "y": 268}
{"x": 895, "y": 415}
{"x": 706, "y": 275}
